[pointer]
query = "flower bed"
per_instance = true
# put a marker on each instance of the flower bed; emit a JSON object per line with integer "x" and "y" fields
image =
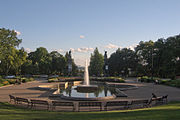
{"x": 169, "y": 82}
{"x": 17, "y": 80}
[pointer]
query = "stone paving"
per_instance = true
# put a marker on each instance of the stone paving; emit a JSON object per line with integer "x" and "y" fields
{"x": 144, "y": 91}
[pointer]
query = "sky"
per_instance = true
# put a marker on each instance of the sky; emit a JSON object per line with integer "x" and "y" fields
{"x": 83, "y": 25}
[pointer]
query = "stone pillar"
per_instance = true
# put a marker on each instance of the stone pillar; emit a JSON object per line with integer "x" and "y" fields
{"x": 69, "y": 64}
{"x": 106, "y": 66}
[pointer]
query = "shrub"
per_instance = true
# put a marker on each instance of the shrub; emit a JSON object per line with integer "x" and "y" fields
{"x": 24, "y": 80}
{"x": 5, "y": 83}
{"x": 12, "y": 81}
{"x": 31, "y": 79}
{"x": 147, "y": 79}
{"x": 53, "y": 80}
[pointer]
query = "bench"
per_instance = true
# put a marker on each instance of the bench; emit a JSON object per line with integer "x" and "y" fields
{"x": 12, "y": 99}
{"x": 139, "y": 103}
{"x": 62, "y": 104}
{"x": 159, "y": 100}
{"x": 39, "y": 102}
{"x": 20, "y": 100}
{"x": 118, "y": 104}
{"x": 90, "y": 105}
{"x": 165, "y": 99}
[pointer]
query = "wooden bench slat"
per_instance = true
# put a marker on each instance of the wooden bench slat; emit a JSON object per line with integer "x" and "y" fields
{"x": 39, "y": 102}
{"x": 90, "y": 104}
{"x": 116, "y": 103}
{"x": 58, "y": 103}
{"x": 142, "y": 103}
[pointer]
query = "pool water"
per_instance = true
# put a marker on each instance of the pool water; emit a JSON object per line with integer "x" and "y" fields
{"x": 102, "y": 91}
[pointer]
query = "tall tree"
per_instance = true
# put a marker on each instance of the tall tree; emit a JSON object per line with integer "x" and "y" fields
{"x": 19, "y": 60}
{"x": 144, "y": 51}
{"x": 8, "y": 44}
{"x": 122, "y": 62}
{"x": 42, "y": 59}
{"x": 96, "y": 63}
{"x": 58, "y": 63}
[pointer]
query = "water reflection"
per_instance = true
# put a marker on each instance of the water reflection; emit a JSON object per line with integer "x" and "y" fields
{"x": 102, "y": 91}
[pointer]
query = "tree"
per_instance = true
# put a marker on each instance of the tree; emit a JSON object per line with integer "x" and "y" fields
{"x": 144, "y": 52}
{"x": 42, "y": 59}
{"x": 19, "y": 60}
{"x": 8, "y": 44}
{"x": 96, "y": 63}
{"x": 122, "y": 61}
{"x": 58, "y": 63}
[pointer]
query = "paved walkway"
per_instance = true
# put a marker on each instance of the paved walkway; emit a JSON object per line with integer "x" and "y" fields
{"x": 26, "y": 90}
{"x": 144, "y": 91}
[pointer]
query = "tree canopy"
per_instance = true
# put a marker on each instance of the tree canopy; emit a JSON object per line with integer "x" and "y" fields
{"x": 96, "y": 63}
{"x": 159, "y": 58}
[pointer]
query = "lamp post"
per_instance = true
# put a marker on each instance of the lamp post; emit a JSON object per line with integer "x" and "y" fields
{"x": 152, "y": 64}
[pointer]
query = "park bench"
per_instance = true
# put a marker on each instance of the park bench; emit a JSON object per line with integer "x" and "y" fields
{"x": 139, "y": 104}
{"x": 20, "y": 100}
{"x": 89, "y": 105}
{"x": 159, "y": 100}
{"x": 165, "y": 99}
{"x": 115, "y": 104}
{"x": 62, "y": 104}
{"x": 40, "y": 103}
{"x": 12, "y": 99}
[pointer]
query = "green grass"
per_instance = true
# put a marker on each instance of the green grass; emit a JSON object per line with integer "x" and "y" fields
{"x": 166, "y": 112}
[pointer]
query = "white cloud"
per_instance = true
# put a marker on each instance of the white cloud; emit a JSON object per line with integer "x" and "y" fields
{"x": 58, "y": 50}
{"x": 28, "y": 50}
{"x": 17, "y": 32}
{"x": 82, "y": 36}
{"x": 72, "y": 49}
{"x": 111, "y": 46}
{"x": 132, "y": 46}
{"x": 80, "y": 50}
{"x": 84, "y": 49}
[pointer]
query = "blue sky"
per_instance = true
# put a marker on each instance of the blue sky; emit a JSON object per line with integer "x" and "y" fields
{"x": 82, "y": 25}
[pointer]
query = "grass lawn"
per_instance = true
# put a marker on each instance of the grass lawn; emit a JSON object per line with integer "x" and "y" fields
{"x": 170, "y": 111}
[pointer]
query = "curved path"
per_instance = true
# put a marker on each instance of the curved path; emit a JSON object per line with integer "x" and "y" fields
{"x": 144, "y": 91}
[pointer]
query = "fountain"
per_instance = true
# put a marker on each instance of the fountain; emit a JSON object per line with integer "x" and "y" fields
{"x": 86, "y": 87}
{"x": 96, "y": 90}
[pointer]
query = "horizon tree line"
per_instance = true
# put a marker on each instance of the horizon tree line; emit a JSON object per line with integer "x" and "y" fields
{"x": 160, "y": 58}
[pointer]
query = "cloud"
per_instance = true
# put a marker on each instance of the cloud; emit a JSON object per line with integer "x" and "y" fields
{"x": 28, "y": 50}
{"x": 111, "y": 46}
{"x": 72, "y": 49}
{"x": 83, "y": 49}
{"x": 132, "y": 46}
{"x": 17, "y": 32}
{"x": 58, "y": 50}
{"x": 82, "y": 36}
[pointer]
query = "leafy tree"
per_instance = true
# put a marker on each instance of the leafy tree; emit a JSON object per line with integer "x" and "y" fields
{"x": 42, "y": 59}
{"x": 96, "y": 63}
{"x": 29, "y": 68}
{"x": 122, "y": 61}
{"x": 19, "y": 60}
{"x": 144, "y": 51}
{"x": 58, "y": 63}
{"x": 8, "y": 44}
